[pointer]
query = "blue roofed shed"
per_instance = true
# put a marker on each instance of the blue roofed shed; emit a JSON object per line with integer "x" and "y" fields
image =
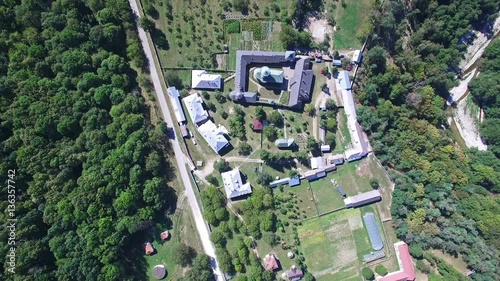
{"x": 341, "y": 191}
{"x": 373, "y": 231}
{"x": 294, "y": 181}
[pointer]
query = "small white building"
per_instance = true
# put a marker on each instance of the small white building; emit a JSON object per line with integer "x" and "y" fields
{"x": 357, "y": 57}
{"x": 194, "y": 106}
{"x": 233, "y": 184}
{"x": 317, "y": 162}
{"x": 325, "y": 148}
{"x": 200, "y": 79}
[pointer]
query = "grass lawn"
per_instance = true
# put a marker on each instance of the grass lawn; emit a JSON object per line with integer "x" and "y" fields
{"x": 351, "y": 20}
{"x": 328, "y": 241}
{"x": 326, "y": 196}
{"x": 352, "y": 177}
{"x": 343, "y": 131}
{"x": 194, "y": 34}
{"x": 348, "y": 274}
{"x": 377, "y": 173}
{"x": 183, "y": 231}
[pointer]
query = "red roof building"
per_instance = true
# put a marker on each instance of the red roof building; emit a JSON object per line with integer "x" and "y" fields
{"x": 148, "y": 248}
{"x": 271, "y": 262}
{"x": 164, "y": 235}
{"x": 406, "y": 271}
{"x": 257, "y": 125}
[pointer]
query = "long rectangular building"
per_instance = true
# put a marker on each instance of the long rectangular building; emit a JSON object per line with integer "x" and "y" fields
{"x": 174, "y": 96}
{"x": 359, "y": 147}
{"x": 362, "y": 199}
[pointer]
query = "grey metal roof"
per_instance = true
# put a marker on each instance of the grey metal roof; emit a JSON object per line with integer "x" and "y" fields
{"x": 362, "y": 199}
{"x": 373, "y": 231}
{"x": 279, "y": 182}
{"x": 344, "y": 80}
{"x": 301, "y": 83}
{"x": 234, "y": 185}
{"x": 341, "y": 191}
{"x": 284, "y": 142}
{"x": 245, "y": 58}
{"x": 375, "y": 255}
{"x": 294, "y": 181}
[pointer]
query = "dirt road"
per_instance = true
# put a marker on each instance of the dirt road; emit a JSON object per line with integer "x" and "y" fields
{"x": 179, "y": 155}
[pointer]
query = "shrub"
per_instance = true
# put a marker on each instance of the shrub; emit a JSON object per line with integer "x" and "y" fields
{"x": 255, "y": 27}
{"x": 212, "y": 180}
{"x": 244, "y": 149}
{"x": 422, "y": 266}
{"x": 183, "y": 255}
{"x": 374, "y": 184}
{"x": 416, "y": 251}
{"x": 367, "y": 273}
{"x": 381, "y": 270}
{"x": 232, "y": 26}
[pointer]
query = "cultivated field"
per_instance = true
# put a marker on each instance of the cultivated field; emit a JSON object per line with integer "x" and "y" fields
{"x": 328, "y": 241}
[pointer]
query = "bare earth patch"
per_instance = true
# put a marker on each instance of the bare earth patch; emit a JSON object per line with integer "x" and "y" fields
{"x": 363, "y": 169}
{"x": 318, "y": 28}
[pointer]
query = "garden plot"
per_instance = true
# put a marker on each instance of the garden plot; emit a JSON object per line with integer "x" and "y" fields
{"x": 330, "y": 242}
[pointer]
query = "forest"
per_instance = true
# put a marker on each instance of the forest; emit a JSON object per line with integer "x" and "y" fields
{"x": 90, "y": 170}
{"x": 485, "y": 90}
{"x": 446, "y": 195}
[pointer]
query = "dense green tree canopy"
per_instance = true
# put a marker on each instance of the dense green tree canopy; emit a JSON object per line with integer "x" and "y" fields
{"x": 90, "y": 167}
{"x": 411, "y": 62}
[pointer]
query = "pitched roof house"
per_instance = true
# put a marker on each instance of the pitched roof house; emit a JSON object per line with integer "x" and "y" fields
{"x": 194, "y": 106}
{"x": 257, "y": 125}
{"x": 406, "y": 271}
{"x": 164, "y": 235}
{"x": 295, "y": 273}
{"x": 271, "y": 262}
{"x": 233, "y": 184}
{"x": 200, "y": 79}
{"x": 148, "y": 248}
{"x": 301, "y": 83}
{"x": 284, "y": 143}
{"x": 214, "y": 135}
